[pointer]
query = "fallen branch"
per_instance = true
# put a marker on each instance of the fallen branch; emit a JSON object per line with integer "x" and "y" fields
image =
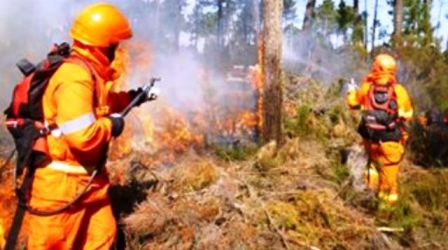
{"x": 390, "y": 229}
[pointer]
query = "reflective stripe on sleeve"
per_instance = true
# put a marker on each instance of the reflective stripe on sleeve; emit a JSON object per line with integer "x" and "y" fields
{"x": 77, "y": 124}
{"x": 67, "y": 168}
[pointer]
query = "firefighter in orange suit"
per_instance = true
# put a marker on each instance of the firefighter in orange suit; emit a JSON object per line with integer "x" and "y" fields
{"x": 386, "y": 109}
{"x": 84, "y": 114}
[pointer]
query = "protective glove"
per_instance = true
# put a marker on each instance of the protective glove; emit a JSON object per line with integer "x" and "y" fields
{"x": 146, "y": 97}
{"x": 352, "y": 86}
{"x": 117, "y": 124}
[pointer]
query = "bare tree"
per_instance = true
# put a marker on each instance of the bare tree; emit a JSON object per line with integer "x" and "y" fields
{"x": 398, "y": 20}
{"x": 375, "y": 23}
{"x": 356, "y": 7}
{"x": 309, "y": 14}
{"x": 272, "y": 50}
{"x": 358, "y": 32}
{"x": 220, "y": 23}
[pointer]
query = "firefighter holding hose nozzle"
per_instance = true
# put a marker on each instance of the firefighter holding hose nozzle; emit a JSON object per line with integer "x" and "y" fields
{"x": 386, "y": 110}
{"x": 62, "y": 135}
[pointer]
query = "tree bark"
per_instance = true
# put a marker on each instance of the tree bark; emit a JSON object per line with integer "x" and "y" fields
{"x": 272, "y": 40}
{"x": 375, "y": 21}
{"x": 220, "y": 23}
{"x": 358, "y": 32}
{"x": 398, "y": 20}
{"x": 309, "y": 14}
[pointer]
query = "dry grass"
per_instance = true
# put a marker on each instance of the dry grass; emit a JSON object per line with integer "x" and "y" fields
{"x": 205, "y": 203}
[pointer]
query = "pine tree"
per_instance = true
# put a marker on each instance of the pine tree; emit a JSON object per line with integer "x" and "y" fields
{"x": 309, "y": 14}
{"x": 398, "y": 20}
{"x": 272, "y": 115}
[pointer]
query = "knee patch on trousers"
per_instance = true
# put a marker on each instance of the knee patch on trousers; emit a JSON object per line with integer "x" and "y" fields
{"x": 392, "y": 151}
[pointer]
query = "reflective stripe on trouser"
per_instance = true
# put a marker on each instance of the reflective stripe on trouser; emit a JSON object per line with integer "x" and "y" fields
{"x": 89, "y": 224}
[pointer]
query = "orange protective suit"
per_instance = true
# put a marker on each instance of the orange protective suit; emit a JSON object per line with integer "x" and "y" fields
{"x": 77, "y": 99}
{"x": 384, "y": 156}
{"x": 76, "y": 102}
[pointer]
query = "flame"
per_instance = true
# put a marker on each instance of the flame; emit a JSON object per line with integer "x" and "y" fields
{"x": 121, "y": 146}
{"x": 8, "y": 204}
{"x": 167, "y": 130}
{"x": 248, "y": 119}
{"x": 2, "y": 234}
{"x": 176, "y": 133}
{"x": 259, "y": 80}
{"x": 148, "y": 128}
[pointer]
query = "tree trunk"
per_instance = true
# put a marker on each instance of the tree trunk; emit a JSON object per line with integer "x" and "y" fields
{"x": 220, "y": 23}
{"x": 358, "y": 32}
{"x": 398, "y": 21}
{"x": 356, "y": 7}
{"x": 375, "y": 21}
{"x": 366, "y": 26}
{"x": 309, "y": 14}
{"x": 272, "y": 40}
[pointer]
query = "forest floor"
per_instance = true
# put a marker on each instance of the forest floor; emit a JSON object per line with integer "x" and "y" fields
{"x": 306, "y": 195}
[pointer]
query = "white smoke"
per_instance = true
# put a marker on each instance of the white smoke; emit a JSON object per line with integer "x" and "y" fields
{"x": 28, "y": 28}
{"x": 317, "y": 57}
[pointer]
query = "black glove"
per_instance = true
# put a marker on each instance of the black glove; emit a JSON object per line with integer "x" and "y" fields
{"x": 117, "y": 124}
{"x": 143, "y": 96}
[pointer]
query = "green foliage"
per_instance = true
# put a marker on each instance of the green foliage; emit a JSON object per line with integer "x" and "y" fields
{"x": 426, "y": 69}
{"x": 417, "y": 21}
{"x": 302, "y": 124}
{"x": 341, "y": 172}
{"x": 345, "y": 18}
{"x": 402, "y": 215}
{"x": 289, "y": 11}
{"x": 431, "y": 191}
{"x": 423, "y": 201}
{"x": 326, "y": 17}
{"x": 417, "y": 28}
{"x": 235, "y": 153}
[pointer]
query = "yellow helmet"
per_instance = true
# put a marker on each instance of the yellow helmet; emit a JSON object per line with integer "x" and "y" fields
{"x": 101, "y": 25}
{"x": 384, "y": 69}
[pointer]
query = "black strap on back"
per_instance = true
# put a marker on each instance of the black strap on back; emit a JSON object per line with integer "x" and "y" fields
{"x": 14, "y": 230}
{"x": 21, "y": 207}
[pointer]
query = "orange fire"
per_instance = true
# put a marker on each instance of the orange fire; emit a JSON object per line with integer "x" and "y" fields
{"x": 259, "y": 83}
{"x": 121, "y": 146}
{"x": 166, "y": 130}
{"x": 2, "y": 235}
{"x": 8, "y": 204}
{"x": 176, "y": 134}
